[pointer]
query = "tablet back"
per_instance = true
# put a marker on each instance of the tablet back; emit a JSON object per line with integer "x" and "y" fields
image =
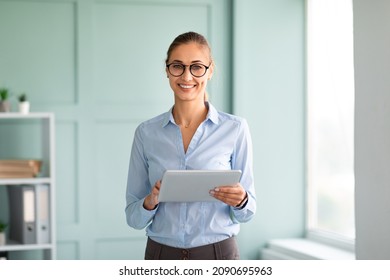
{"x": 194, "y": 185}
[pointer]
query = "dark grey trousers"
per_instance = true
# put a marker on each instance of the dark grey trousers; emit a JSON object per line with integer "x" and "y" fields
{"x": 224, "y": 250}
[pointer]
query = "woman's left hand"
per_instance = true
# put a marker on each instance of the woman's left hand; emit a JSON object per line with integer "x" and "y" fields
{"x": 232, "y": 195}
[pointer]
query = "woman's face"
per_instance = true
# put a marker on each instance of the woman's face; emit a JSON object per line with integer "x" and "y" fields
{"x": 187, "y": 87}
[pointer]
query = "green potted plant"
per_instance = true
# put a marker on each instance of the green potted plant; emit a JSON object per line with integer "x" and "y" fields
{"x": 24, "y": 105}
{"x": 5, "y": 106}
{"x": 3, "y": 226}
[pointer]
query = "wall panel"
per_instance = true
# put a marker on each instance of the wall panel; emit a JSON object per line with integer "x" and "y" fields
{"x": 68, "y": 250}
{"x": 67, "y": 173}
{"x": 130, "y": 43}
{"x": 111, "y": 180}
{"x": 120, "y": 249}
{"x": 38, "y": 50}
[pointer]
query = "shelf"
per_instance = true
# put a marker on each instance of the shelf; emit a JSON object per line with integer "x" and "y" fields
{"x": 25, "y": 116}
{"x": 13, "y": 246}
{"x": 25, "y": 181}
{"x": 43, "y": 129}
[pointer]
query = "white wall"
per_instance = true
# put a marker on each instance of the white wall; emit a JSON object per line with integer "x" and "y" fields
{"x": 372, "y": 128}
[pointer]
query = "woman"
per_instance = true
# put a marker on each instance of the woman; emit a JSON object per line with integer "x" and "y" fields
{"x": 191, "y": 135}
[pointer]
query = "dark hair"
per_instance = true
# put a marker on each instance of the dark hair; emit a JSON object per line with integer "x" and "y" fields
{"x": 187, "y": 38}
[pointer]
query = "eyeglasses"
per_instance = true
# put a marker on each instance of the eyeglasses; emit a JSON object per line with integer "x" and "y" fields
{"x": 197, "y": 69}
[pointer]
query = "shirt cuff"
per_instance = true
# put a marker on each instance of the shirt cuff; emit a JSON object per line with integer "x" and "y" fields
{"x": 243, "y": 202}
{"x": 147, "y": 210}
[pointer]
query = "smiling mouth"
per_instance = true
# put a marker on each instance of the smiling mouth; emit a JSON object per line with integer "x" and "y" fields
{"x": 186, "y": 86}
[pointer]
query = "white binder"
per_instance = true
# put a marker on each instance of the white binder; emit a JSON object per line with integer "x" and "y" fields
{"x": 43, "y": 216}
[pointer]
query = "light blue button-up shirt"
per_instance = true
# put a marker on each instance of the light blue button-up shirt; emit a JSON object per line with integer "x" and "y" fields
{"x": 221, "y": 142}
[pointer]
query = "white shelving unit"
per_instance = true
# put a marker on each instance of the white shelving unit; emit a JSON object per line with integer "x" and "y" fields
{"x": 46, "y": 123}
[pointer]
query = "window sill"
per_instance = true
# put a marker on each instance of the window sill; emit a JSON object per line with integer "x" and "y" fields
{"x": 302, "y": 249}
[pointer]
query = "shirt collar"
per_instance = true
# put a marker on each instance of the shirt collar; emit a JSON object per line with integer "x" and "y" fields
{"x": 212, "y": 115}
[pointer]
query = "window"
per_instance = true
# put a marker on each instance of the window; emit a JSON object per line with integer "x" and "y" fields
{"x": 330, "y": 118}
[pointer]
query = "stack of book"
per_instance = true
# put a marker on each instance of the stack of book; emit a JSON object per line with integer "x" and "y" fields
{"x": 20, "y": 168}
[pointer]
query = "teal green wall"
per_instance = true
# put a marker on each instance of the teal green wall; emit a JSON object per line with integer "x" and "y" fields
{"x": 269, "y": 81}
{"x": 99, "y": 66}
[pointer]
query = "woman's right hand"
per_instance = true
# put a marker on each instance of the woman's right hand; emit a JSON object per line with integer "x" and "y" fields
{"x": 151, "y": 200}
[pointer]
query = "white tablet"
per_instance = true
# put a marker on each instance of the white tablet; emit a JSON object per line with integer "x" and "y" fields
{"x": 194, "y": 185}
